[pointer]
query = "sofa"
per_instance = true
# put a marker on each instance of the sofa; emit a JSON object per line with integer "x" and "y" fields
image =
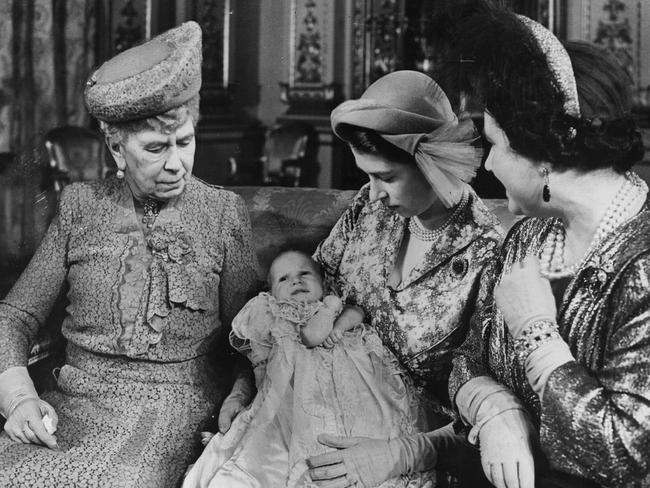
{"x": 281, "y": 217}
{"x": 301, "y": 217}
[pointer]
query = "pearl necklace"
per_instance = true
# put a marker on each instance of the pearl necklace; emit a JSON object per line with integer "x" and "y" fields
{"x": 421, "y": 233}
{"x": 552, "y": 253}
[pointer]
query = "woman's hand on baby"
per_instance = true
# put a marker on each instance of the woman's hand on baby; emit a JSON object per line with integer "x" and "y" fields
{"x": 523, "y": 296}
{"x": 358, "y": 461}
{"x": 26, "y": 423}
{"x": 206, "y": 437}
{"x": 238, "y": 399}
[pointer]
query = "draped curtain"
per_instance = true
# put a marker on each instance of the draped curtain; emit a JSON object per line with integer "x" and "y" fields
{"x": 47, "y": 49}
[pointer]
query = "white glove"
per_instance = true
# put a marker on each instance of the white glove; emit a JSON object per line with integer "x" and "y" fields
{"x": 543, "y": 361}
{"x": 506, "y": 442}
{"x": 238, "y": 399}
{"x": 365, "y": 462}
{"x": 501, "y": 424}
{"x": 25, "y": 424}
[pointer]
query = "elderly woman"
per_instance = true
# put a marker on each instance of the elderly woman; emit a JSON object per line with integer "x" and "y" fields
{"x": 156, "y": 263}
{"x": 410, "y": 251}
{"x": 564, "y": 350}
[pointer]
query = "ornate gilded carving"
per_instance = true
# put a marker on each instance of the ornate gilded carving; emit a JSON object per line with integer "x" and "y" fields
{"x": 388, "y": 35}
{"x": 310, "y": 89}
{"x": 210, "y": 15}
{"x": 214, "y": 18}
{"x": 129, "y": 30}
{"x": 386, "y": 27}
{"x": 615, "y": 34}
{"x": 309, "y": 66}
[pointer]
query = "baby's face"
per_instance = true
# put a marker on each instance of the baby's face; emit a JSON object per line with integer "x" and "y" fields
{"x": 295, "y": 277}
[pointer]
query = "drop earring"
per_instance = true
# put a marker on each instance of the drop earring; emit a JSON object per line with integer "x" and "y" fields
{"x": 119, "y": 174}
{"x": 546, "y": 191}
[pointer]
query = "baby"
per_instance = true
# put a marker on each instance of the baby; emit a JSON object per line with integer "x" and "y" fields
{"x": 302, "y": 389}
{"x": 294, "y": 275}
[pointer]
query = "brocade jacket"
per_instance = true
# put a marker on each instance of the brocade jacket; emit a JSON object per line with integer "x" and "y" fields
{"x": 426, "y": 317}
{"x": 594, "y": 417}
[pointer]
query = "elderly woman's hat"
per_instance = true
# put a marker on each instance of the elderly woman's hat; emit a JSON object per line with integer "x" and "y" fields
{"x": 148, "y": 79}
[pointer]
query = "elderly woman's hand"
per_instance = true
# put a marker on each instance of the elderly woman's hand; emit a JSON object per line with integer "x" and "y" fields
{"x": 523, "y": 296}
{"x": 238, "y": 399}
{"x": 25, "y": 424}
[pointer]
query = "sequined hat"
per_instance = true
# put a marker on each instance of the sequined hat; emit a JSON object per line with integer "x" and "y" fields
{"x": 558, "y": 62}
{"x": 148, "y": 79}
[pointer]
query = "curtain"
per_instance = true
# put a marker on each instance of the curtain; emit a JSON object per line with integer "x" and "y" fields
{"x": 47, "y": 49}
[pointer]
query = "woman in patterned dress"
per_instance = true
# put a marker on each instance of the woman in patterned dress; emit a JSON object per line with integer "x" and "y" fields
{"x": 410, "y": 251}
{"x": 563, "y": 352}
{"x": 156, "y": 264}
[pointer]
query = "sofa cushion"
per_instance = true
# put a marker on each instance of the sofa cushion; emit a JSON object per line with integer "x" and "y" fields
{"x": 281, "y": 217}
{"x": 284, "y": 217}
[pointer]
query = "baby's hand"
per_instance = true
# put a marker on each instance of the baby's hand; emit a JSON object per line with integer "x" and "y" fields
{"x": 206, "y": 437}
{"x": 333, "y": 302}
{"x": 334, "y": 338}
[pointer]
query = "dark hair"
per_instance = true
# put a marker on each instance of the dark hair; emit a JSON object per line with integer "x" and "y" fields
{"x": 368, "y": 141}
{"x": 607, "y": 134}
{"x": 504, "y": 66}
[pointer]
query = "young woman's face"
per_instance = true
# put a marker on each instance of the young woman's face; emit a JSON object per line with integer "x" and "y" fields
{"x": 400, "y": 186}
{"x": 521, "y": 177}
{"x": 158, "y": 165}
{"x": 294, "y": 276}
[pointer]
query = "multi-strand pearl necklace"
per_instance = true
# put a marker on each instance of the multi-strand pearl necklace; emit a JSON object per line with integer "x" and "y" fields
{"x": 552, "y": 254}
{"x": 421, "y": 233}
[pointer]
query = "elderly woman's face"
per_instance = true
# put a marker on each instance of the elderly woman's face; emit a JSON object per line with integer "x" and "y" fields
{"x": 400, "y": 186}
{"x": 158, "y": 165}
{"x": 521, "y": 177}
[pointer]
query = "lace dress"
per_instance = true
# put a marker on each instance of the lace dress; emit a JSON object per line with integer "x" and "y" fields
{"x": 354, "y": 389}
{"x": 144, "y": 312}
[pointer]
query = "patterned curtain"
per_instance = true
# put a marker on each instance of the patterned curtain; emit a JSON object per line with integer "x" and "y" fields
{"x": 47, "y": 49}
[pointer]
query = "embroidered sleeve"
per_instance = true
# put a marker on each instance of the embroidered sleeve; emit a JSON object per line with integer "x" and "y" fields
{"x": 597, "y": 423}
{"x": 26, "y": 307}
{"x": 329, "y": 252}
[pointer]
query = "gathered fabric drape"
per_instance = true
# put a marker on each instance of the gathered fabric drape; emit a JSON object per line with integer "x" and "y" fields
{"x": 47, "y": 49}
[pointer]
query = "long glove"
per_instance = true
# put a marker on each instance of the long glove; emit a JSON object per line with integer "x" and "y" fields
{"x": 506, "y": 435}
{"x": 15, "y": 387}
{"x": 365, "y": 462}
{"x": 240, "y": 396}
{"x": 543, "y": 361}
{"x": 20, "y": 405}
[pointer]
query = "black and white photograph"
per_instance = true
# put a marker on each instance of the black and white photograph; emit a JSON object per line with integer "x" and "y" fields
{"x": 324, "y": 243}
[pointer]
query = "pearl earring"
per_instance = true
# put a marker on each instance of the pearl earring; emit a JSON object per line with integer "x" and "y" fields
{"x": 119, "y": 174}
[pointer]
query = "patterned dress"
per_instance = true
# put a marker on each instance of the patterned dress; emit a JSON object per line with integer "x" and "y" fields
{"x": 594, "y": 418}
{"x": 423, "y": 319}
{"x": 145, "y": 314}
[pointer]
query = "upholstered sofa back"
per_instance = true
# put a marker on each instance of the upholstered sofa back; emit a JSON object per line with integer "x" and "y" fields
{"x": 300, "y": 217}
{"x": 281, "y": 217}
